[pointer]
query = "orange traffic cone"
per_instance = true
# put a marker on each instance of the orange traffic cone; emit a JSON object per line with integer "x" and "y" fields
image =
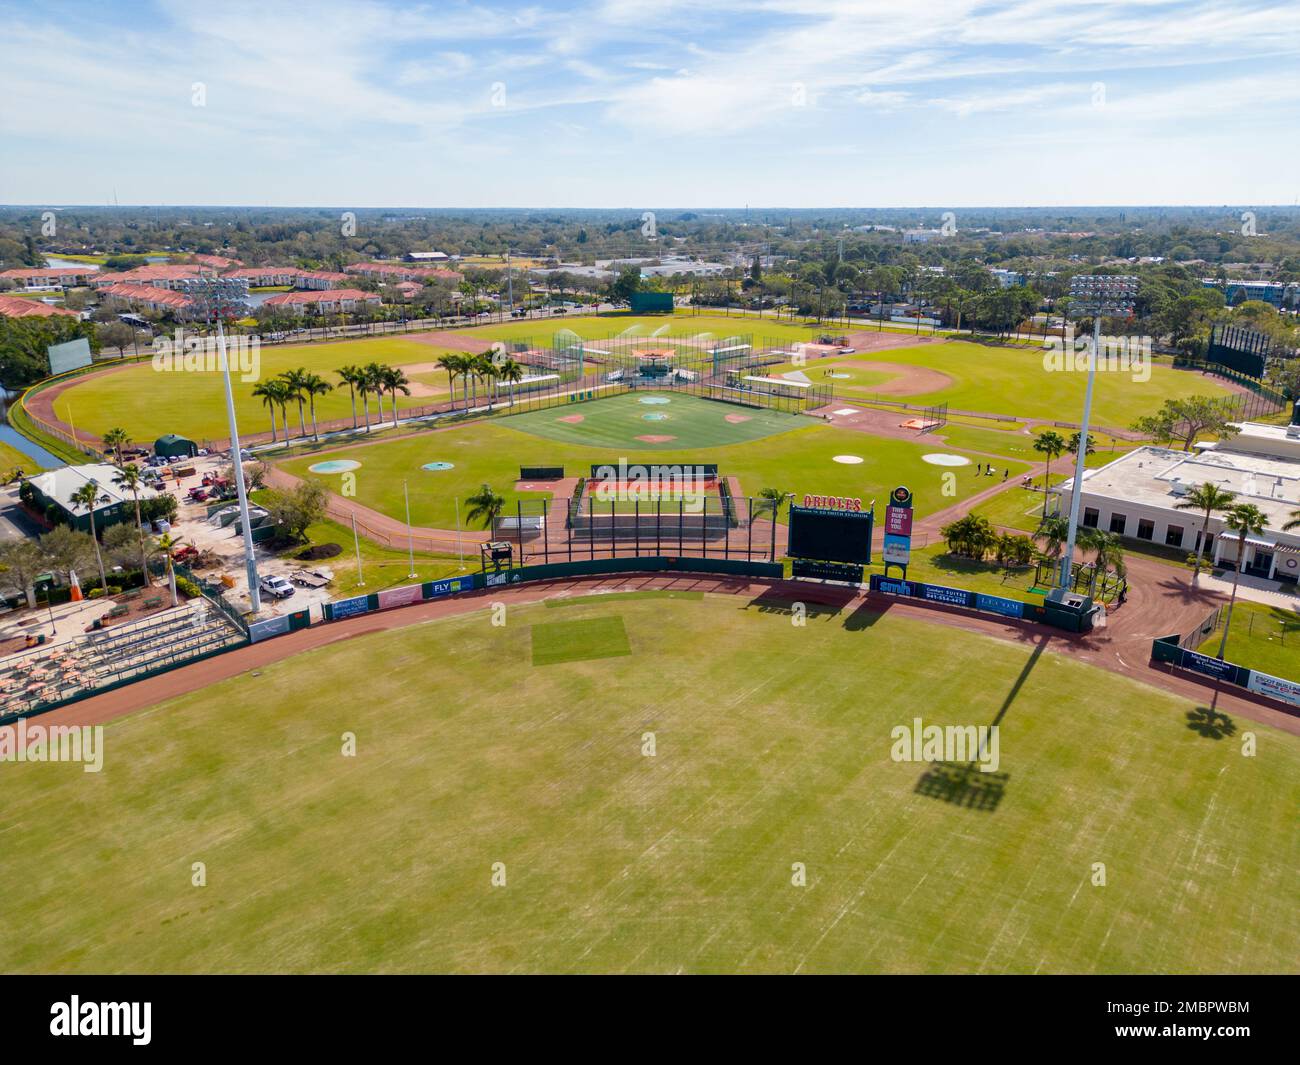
{"x": 75, "y": 588}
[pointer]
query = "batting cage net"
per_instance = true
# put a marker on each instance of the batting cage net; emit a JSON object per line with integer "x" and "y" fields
{"x": 606, "y": 522}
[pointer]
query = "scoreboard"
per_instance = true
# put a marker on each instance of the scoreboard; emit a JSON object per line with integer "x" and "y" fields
{"x": 831, "y": 529}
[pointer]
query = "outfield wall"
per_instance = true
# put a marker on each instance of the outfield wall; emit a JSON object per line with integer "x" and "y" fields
{"x": 1167, "y": 649}
{"x": 408, "y": 595}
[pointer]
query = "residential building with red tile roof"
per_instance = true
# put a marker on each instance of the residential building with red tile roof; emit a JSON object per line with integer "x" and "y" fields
{"x": 18, "y": 307}
{"x": 397, "y": 272}
{"x": 41, "y": 277}
{"x": 318, "y": 279}
{"x": 217, "y": 262}
{"x": 149, "y": 298}
{"x": 323, "y": 301}
{"x": 162, "y": 275}
{"x": 265, "y": 276}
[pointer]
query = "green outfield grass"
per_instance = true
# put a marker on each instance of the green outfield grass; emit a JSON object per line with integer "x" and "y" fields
{"x": 1007, "y": 380}
{"x": 147, "y": 402}
{"x": 986, "y": 378}
{"x": 680, "y": 324}
{"x": 618, "y": 421}
{"x": 800, "y": 461}
{"x": 524, "y": 745}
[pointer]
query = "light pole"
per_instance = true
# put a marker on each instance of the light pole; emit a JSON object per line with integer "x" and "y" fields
{"x": 410, "y": 535}
{"x": 1095, "y": 294}
{"x": 216, "y": 296}
{"x": 356, "y": 543}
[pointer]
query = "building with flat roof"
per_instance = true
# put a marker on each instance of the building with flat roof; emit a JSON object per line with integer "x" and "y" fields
{"x": 1136, "y": 496}
{"x": 56, "y": 488}
{"x": 1275, "y": 292}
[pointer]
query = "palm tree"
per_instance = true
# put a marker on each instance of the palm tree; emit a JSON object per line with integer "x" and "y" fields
{"x": 350, "y": 375}
{"x": 395, "y": 380}
{"x": 453, "y": 365}
{"x": 1051, "y": 444}
{"x": 87, "y": 496}
{"x": 1073, "y": 446}
{"x": 1245, "y": 519}
{"x": 772, "y": 500}
{"x": 368, "y": 384}
{"x": 485, "y": 505}
{"x": 513, "y": 372}
{"x": 1108, "y": 555}
{"x": 115, "y": 439}
{"x": 488, "y": 369}
{"x": 271, "y": 394}
{"x": 166, "y": 545}
{"x": 1054, "y": 531}
{"x": 315, "y": 385}
{"x": 473, "y": 367}
{"x": 132, "y": 480}
{"x": 295, "y": 382}
{"x": 1207, "y": 497}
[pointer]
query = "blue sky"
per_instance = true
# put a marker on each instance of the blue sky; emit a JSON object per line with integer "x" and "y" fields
{"x": 629, "y": 103}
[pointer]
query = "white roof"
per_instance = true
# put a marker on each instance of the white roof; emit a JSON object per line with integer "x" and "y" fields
{"x": 60, "y": 484}
{"x": 1160, "y": 477}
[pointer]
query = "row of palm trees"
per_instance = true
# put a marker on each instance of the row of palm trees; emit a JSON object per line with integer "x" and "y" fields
{"x": 491, "y": 368}
{"x": 302, "y": 387}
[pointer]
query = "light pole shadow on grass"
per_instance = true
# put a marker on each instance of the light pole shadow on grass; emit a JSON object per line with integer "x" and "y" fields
{"x": 963, "y": 783}
{"x": 1211, "y": 723}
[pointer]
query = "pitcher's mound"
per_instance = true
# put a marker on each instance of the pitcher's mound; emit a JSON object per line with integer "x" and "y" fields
{"x": 572, "y": 419}
{"x": 736, "y": 419}
{"x": 653, "y": 438}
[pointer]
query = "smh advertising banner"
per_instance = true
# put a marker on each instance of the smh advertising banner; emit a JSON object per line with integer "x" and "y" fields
{"x": 939, "y": 593}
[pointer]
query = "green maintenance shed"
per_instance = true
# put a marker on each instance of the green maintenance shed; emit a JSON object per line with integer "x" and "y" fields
{"x": 172, "y": 446}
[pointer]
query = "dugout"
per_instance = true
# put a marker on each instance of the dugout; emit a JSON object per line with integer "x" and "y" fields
{"x": 173, "y": 446}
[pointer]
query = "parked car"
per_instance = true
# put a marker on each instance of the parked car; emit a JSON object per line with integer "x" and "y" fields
{"x": 276, "y": 587}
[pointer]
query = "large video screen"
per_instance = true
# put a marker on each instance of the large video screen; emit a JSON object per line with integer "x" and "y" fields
{"x": 830, "y": 536}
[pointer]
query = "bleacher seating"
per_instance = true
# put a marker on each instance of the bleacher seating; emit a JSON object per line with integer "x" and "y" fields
{"x": 50, "y": 675}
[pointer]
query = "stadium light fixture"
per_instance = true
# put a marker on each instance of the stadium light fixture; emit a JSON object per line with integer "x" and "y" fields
{"x": 217, "y": 297}
{"x": 1098, "y": 295}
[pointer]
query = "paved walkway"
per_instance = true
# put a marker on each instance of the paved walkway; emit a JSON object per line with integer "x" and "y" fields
{"x": 1252, "y": 589}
